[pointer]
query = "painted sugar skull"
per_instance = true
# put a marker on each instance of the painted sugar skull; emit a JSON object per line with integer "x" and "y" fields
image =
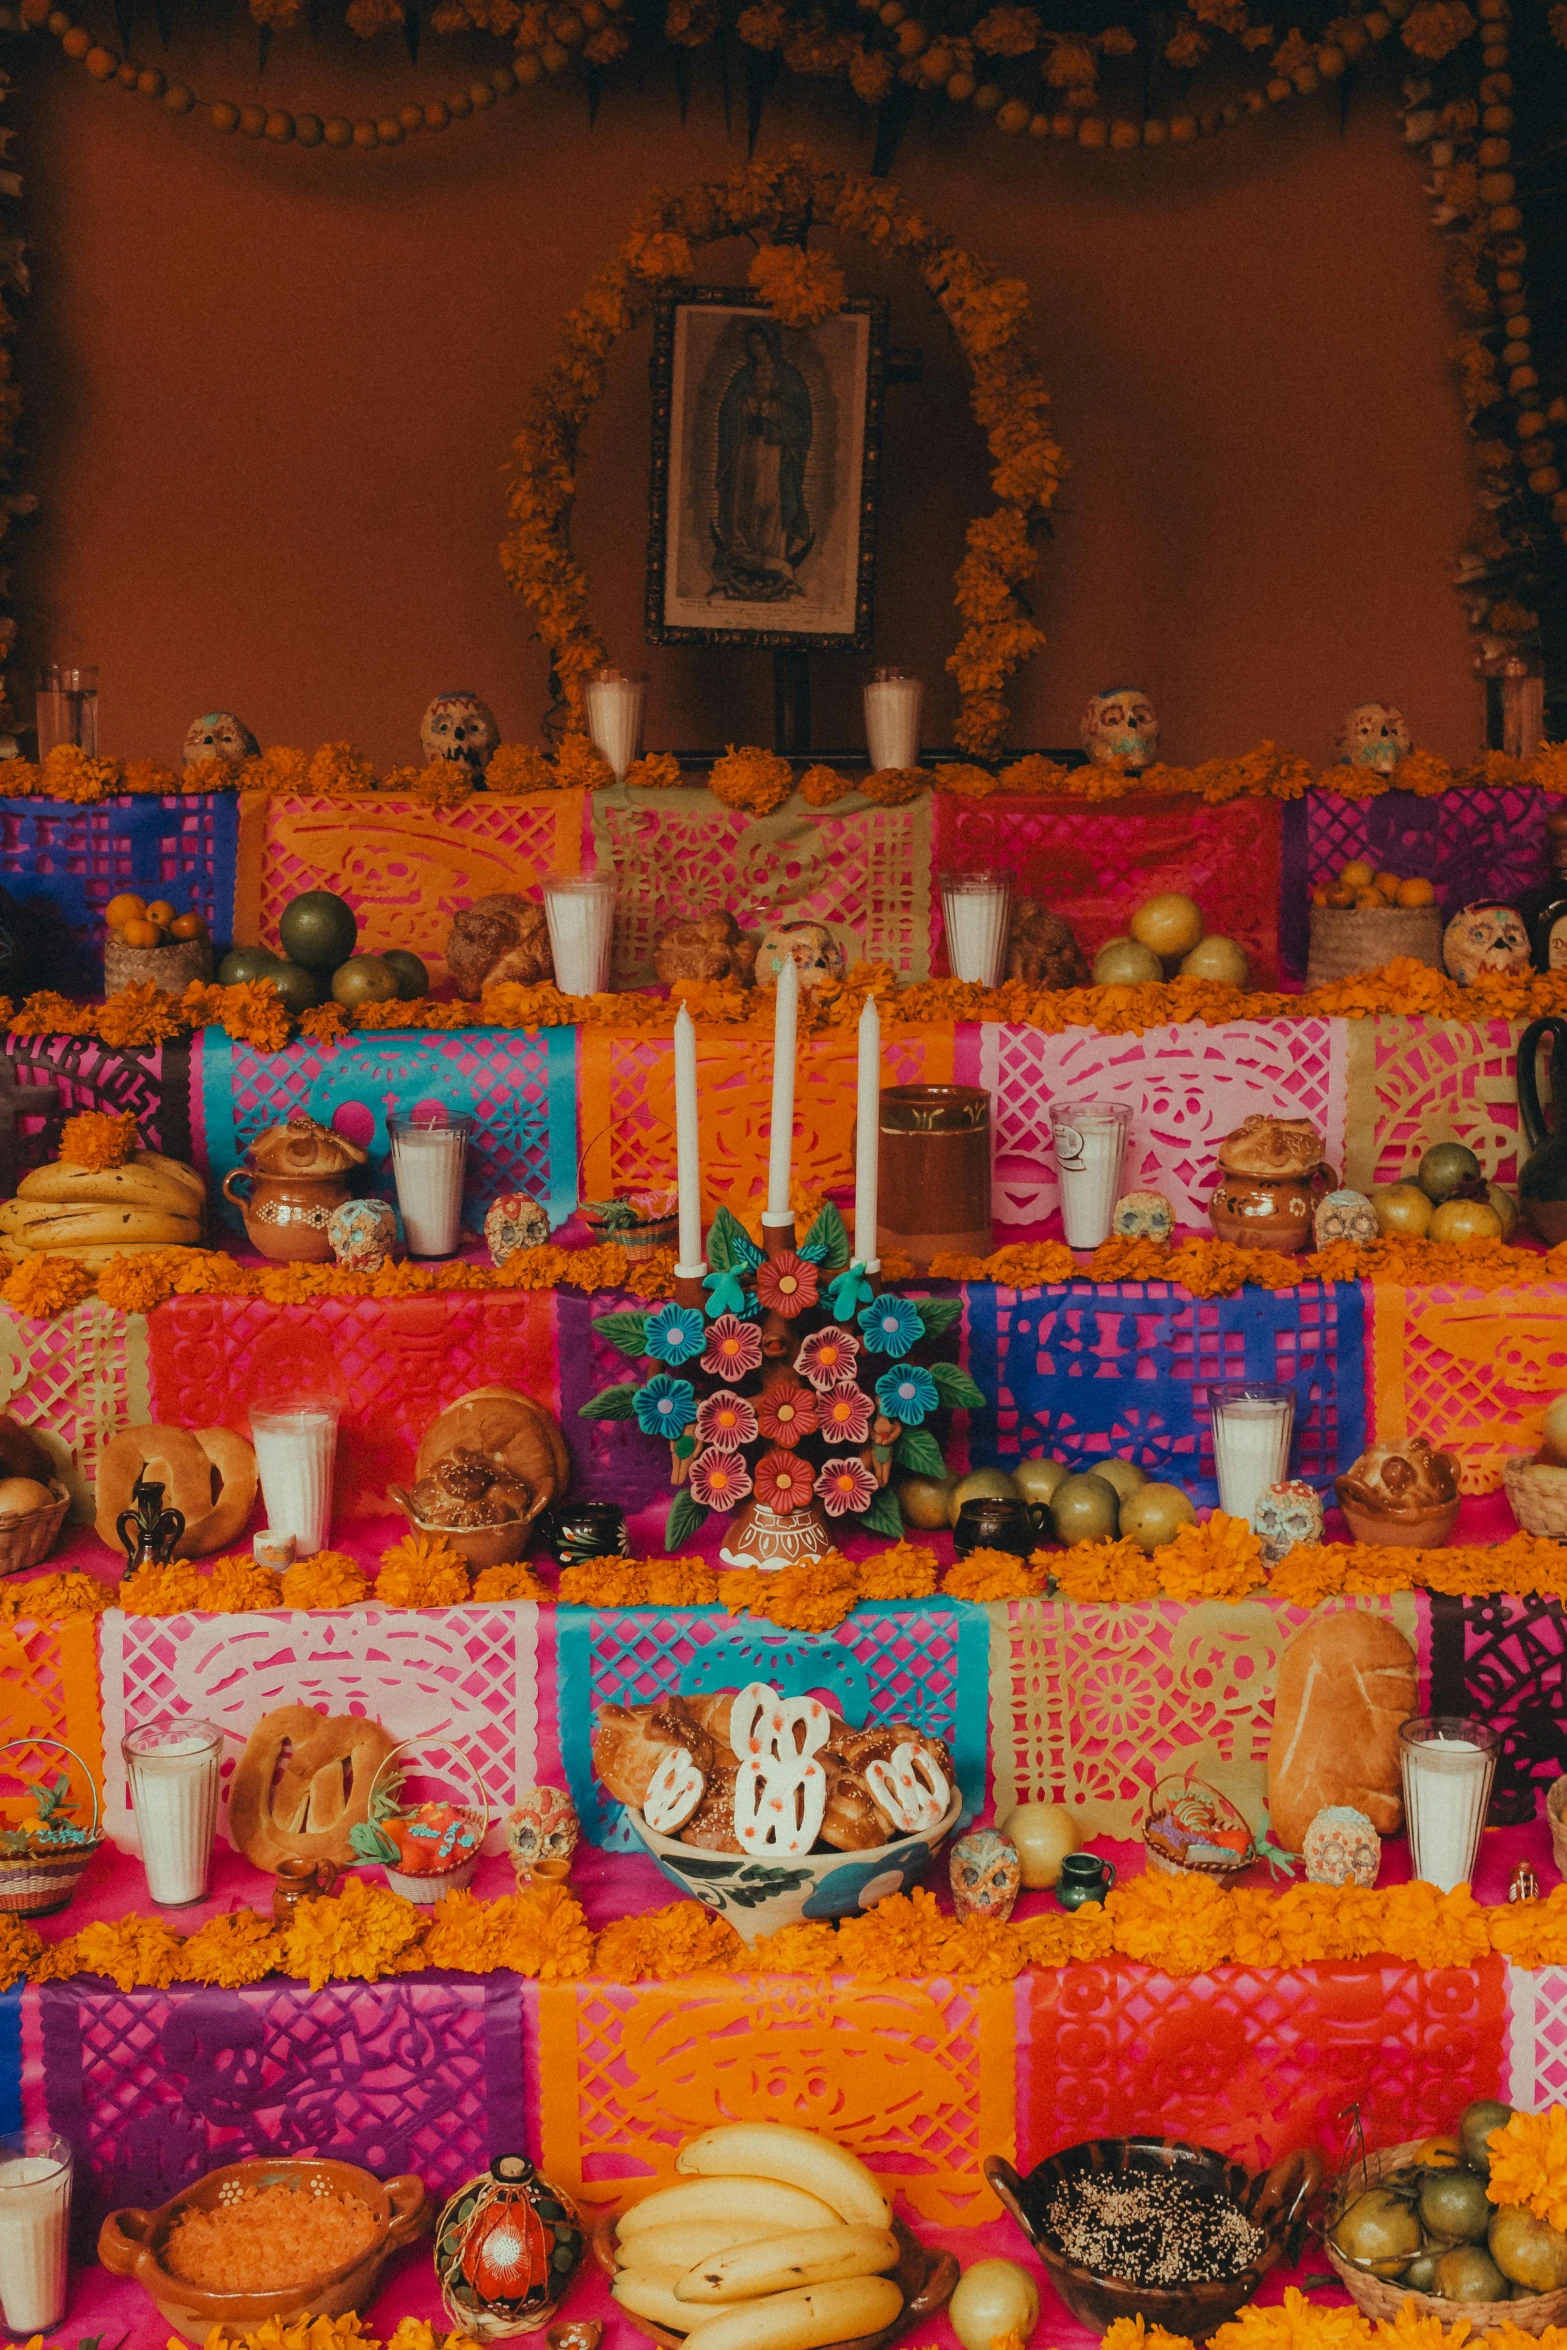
{"x": 1285, "y": 1514}
{"x": 1483, "y": 939}
{"x": 220, "y": 735}
{"x": 986, "y": 1875}
{"x": 461, "y": 729}
{"x": 1373, "y": 734}
{"x": 542, "y": 1832}
{"x": 817, "y": 955}
{"x": 1120, "y": 723}
{"x": 1345, "y": 1215}
{"x": 1143, "y": 1215}
{"x": 507, "y": 2247}
{"x": 363, "y": 1234}
{"x": 515, "y": 1222}
{"x": 1341, "y": 1847}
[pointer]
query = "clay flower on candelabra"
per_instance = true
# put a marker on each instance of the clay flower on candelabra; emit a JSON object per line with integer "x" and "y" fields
{"x": 777, "y": 1430}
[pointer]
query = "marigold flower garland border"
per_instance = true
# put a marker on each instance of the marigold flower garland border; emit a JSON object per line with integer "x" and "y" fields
{"x": 776, "y": 199}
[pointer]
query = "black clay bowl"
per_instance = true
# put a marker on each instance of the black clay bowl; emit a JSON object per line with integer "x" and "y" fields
{"x": 1274, "y": 2203}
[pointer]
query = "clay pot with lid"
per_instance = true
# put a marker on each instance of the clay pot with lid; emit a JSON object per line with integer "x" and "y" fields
{"x": 298, "y": 1173}
{"x": 1271, "y": 1176}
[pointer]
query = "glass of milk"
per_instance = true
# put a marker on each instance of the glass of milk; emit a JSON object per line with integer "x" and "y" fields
{"x": 429, "y": 1156}
{"x": 976, "y": 911}
{"x": 35, "y": 2228}
{"x": 1447, "y": 1762}
{"x": 296, "y": 1449}
{"x": 1253, "y": 1422}
{"x": 615, "y": 704}
{"x": 892, "y": 718}
{"x": 172, "y": 1765}
{"x": 1090, "y": 1140}
{"x": 580, "y": 911}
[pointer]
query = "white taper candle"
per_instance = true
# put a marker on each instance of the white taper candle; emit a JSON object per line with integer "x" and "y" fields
{"x": 867, "y": 1135}
{"x": 781, "y": 1140}
{"x": 688, "y": 1146}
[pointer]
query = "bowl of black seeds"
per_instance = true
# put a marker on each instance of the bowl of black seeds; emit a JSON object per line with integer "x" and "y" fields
{"x": 1153, "y": 2227}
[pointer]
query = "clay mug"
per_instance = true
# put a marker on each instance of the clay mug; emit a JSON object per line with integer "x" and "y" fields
{"x": 994, "y": 1521}
{"x": 1542, "y": 1179}
{"x": 1084, "y": 1878}
{"x": 297, "y": 1879}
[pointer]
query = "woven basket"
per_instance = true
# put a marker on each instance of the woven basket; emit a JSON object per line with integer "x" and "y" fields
{"x": 1538, "y": 1503}
{"x": 1346, "y": 940}
{"x": 171, "y": 969}
{"x": 36, "y": 1884}
{"x": 1164, "y": 1863}
{"x": 1382, "y": 2297}
{"x": 638, "y": 1240}
{"x": 27, "y": 1540}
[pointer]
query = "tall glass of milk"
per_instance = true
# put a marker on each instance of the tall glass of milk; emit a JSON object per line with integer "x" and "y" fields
{"x": 580, "y": 911}
{"x": 1447, "y": 1762}
{"x": 1253, "y": 1421}
{"x": 296, "y": 1448}
{"x": 976, "y": 909}
{"x": 172, "y": 1764}
{"x": 1090, "y": 1140}
{"x": 429, "y": 1157}
{"x": 892, "y": 718}
{"x": 35, "y": 2228}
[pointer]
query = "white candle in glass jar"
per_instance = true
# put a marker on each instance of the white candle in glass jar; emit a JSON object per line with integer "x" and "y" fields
{"x": 35, "y": 2228}
{"x": 615, "y": 703}
{"x": 976, "y": 913}
{"x": 580, "y": 912}
{"x": 1447, "y": 1765}
{"x": 1252, "y": 1427}
{"x": 428, "y": 1163}
{"x": 892, "y": 718}
{"x": 173, "y": 1767}
{"x": 296, "y": 1451}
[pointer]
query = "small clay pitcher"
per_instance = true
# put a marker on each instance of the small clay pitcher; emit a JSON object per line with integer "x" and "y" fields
{"x": 1542, "y": 1180}
{"x": 994, "y": 1521}
{"x": 1268, "y": 1211}
{"x": 286, "y": 1216}
{"x": 300, "y": 1880}
{"x": 1084, "y": 1878}
{"x": 148, "y": 1532}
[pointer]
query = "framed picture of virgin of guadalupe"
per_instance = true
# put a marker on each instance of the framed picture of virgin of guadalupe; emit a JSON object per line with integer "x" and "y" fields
{"x": 766, "y": 457}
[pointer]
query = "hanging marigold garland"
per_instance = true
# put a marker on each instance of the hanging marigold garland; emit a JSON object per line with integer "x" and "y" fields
{"x": 770, "y": 200}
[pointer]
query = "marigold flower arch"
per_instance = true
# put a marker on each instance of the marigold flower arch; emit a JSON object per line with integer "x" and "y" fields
{"x": 776, "y": 199}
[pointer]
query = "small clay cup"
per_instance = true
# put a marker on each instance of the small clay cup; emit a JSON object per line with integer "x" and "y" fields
{"x": 997, "y": 1522}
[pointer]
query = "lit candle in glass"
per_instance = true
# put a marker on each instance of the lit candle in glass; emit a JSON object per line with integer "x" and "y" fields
{"x": 786, "y": 1013}
{"x": 688, "y": 1147}
{"x": 867, "y": 1136}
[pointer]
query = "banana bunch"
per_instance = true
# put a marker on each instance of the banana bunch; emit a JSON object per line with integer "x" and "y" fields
{"x": 94, "y": 1213}
{"x": 775, "y": 2239}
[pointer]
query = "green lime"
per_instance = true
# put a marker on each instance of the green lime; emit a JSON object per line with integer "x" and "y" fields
{"x": 1445, "y": 1166}
{"x": 318, "y": 930}
{"x": 364, "y": 979}
{"x": 413, "y": 980}
{"x": 1037, "y": 1480}
{"x": 1420, "y": 2275}
{"x": 1468, "y": 2274}
{"x": 980, "y": 1485}
{"x": 1474, "y": 2128}
{"x": 923, "y": 1501}
{"x": 1528, "y": 2251}
{"x": 1155, "y": 1514}
{"x": 1453, "y": 2204}
{"x": 298, "y": 987}
{"x": 1125, "y": 1476}
{"x": 1379, "y": 2231}
{"x": 244, "y": 964}
{"x": 1085, "y": 1509}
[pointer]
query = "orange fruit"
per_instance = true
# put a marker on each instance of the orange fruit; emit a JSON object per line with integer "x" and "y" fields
{"x": 1367, "y": 899}
{"x": 188, "y": 926}
{"x": 125, "y": 908}
{"x": 1340, "y": 895}
{"x": 1357, "y": 874}
{"x": 1387, "y": 883}
{"x": 142, "y": 933}
{"x": 1416, "y": 893}
{"x": 161, "y": 912}
{"x": 1319, "y": 896}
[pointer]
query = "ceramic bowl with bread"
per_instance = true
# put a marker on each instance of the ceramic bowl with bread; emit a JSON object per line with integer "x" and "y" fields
{"x": 1402, "y": 1494}
{"x": 487, "y": 1469}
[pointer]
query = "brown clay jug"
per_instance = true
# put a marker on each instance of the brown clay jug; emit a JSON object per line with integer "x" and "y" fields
{"x": 1542, "y": 1180}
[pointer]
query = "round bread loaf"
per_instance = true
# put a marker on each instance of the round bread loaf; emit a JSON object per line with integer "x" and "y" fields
{"x": 1345, "y": 1683}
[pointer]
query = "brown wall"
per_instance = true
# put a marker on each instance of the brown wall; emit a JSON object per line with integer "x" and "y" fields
{"x": 270, "y": 393}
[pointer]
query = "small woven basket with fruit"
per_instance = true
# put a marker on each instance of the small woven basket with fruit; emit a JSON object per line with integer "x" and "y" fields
{"x": 43, "y": 1859}
{"x": 1415, "y": 2224}
{"x": 1363, "y": 918}
{"x": 637, "y": 1221}
{"x": 150, "y": 940}
{"x": 1193, "y": 1830}
{"x": 427, "y": 1849}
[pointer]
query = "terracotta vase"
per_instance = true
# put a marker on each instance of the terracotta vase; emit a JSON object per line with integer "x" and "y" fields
{"x": 286, "y": 1216}
{"x": 761, "y": 1537}
{"x": 1268, "y": 1211}
{"x": 506, "y": 2249}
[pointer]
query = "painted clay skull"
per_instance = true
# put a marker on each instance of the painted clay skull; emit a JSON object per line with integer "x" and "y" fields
{"x": 363, "y": 1234}
{"x": 1143, "y": 1215}
{"x": 1373, "y": 734}
{"x": 1485, "y": 938}
{"x": 1345, "y": 1215}
{"x": 220, "y": 735}
{"x": 1341, "y": 1847}
{"x": 817, "y": 955}
{"x": 459, "y": 728}
{"x": 542, "y": 1827}
{"x": 986, "y": 1875}
{"x": 1120, "y": 723}
{"x": 515, "y": 1222}
{"x": 1285, "y": 1514}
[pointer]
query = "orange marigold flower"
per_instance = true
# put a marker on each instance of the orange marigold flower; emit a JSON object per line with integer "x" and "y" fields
{"x": 992, "y": 1574}
{"x": 329, "y": 1578}
{"x": 753, "y": 780}
{"x": 658, "y": 771}
{"x": 801, "y": 288}
{"x": 423, "y": 1571}
{"x": 98, "y": 1138}
{"x": 516, "y": 768}
{"x": 44, "y": 1285}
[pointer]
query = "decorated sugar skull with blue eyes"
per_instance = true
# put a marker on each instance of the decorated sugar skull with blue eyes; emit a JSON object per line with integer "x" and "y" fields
{"x": 219, "y": 735}
{"x": 460, "y": 729}
{"x": 1120, "y": 724}
{"x": 1373, "y": 734}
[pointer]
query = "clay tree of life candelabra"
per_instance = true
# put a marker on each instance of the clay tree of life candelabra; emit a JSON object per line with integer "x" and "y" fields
{"x": 788, "y": 1395}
